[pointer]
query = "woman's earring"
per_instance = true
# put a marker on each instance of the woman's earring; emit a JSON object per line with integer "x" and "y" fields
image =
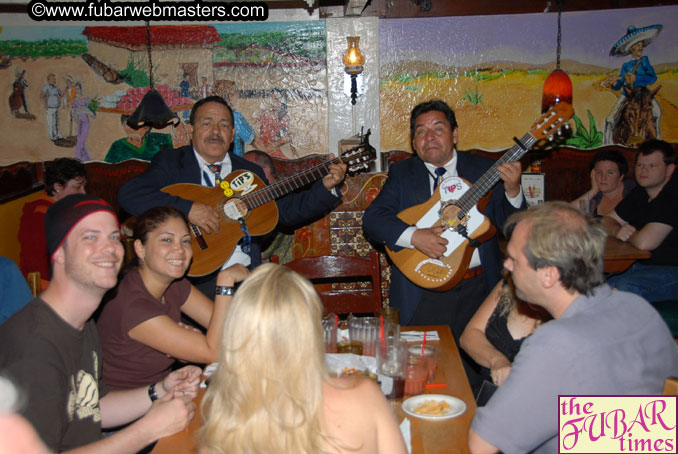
{"x": 141, "y": 261}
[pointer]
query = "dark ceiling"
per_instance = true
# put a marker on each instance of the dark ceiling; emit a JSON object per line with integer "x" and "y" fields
{"x": 432, "y": 8}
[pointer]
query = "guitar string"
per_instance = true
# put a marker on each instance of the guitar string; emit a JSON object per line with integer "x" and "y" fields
{"x": 291, "y": 183}
{"x": 485, "y": 183}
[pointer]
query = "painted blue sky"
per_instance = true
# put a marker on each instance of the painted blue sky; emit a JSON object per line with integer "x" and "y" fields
{"x": 587, "y": 37}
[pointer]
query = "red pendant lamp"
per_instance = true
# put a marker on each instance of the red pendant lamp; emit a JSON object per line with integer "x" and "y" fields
{"x": 558, "y": 86}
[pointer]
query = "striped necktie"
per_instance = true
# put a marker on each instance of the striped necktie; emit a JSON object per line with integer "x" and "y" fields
{"x": 216, "y": 170}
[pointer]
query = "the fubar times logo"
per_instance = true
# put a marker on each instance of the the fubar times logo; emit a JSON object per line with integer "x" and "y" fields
{"x": 617, "y": 424}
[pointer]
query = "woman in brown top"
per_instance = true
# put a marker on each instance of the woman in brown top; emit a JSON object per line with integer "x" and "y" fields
{"x": 140, "y": 329}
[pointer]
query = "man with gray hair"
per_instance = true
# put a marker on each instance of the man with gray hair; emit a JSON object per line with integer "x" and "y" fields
{"x": 598, "y": 342}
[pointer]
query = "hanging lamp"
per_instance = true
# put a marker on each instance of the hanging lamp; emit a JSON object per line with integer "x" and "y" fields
{"x": 558, "y": 86}
{"x": 152, "y": 110}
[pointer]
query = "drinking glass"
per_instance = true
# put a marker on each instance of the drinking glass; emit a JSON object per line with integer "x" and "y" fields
{"x": 390, "y": 313}
{"x": 330, "y": 333}
{"x": 415, "y": 375}
{"x": 430, "y": 354}
{"x": 364, "y": 330}
{"x": 585, "y": 206}
{"x": 391, "y": 366}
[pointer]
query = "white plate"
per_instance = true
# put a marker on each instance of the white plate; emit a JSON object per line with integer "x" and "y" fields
{"x": 457, "y": 406}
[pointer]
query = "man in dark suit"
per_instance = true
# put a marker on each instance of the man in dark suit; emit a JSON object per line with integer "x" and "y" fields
{"x": 434, "y": 134}
{"x": 208, "y": 159}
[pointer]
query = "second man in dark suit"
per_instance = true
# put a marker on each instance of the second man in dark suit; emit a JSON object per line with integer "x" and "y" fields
{"x": 434, "y": 134}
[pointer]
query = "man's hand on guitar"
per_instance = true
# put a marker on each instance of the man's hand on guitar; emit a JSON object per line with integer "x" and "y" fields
{"x": 510, "y": 173}
{"x": 204, "y": 217}
{"x": 336, "y": 175}
{"x": 430, "y": 242}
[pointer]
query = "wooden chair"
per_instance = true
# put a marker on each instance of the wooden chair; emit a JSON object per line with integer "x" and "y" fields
{"x": 36, "y": 283}
{"x": 671, "y": 387}
{"x": 328, "y": 269}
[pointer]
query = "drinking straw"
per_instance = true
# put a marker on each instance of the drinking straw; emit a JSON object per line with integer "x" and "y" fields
{"x": 381, "y": 331}
{"x": 336, "y": 322}
{"x": 436, "y": 385}
{"x": 423, "y": 345}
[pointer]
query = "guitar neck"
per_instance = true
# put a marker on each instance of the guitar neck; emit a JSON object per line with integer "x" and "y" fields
{"x": 286, "y": 185}
{"x": 490, "y": 178}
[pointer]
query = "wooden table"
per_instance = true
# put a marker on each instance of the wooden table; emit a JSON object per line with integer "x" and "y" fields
{"x": 428, "y": 437}
{"x": 451, "y": 435}
{"x": 620, "y": 255}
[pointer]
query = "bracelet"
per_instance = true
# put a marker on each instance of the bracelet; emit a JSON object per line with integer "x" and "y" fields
{"x": 151, "y": 393}
{"x": 226, "y": 291}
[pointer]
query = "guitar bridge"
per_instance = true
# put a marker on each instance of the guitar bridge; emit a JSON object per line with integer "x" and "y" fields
{"x": 202, "y": 244}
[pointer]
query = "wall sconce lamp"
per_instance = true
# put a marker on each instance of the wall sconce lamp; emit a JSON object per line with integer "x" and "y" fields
{"x": 353, "y": 64}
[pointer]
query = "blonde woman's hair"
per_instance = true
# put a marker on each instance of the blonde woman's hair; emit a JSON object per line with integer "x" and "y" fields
{"x": 266, "y": 395}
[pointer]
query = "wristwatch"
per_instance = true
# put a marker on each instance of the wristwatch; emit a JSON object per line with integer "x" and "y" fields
{"x": 151, "y": 393}
{"x": 223, "y": 290}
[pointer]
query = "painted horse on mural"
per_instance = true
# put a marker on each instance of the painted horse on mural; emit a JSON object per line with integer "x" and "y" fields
{"x": 636, "y": 120}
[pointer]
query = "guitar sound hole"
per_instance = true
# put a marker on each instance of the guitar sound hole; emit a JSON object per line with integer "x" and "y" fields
{"x": 449, "y": 215}
{"x": 235, "y": 209}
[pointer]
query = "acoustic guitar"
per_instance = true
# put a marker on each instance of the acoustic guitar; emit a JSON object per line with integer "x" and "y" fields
{"x": 454, "y": 207}
{"x": 245, "y": 203}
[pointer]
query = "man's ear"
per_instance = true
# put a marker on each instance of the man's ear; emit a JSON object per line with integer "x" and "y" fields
{"x": 58, "y": 256}
{"x": 549, "y": 276}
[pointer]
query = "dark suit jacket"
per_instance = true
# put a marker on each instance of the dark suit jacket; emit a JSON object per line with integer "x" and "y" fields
{"x": 408, "y": 184}
{"x": 180, "y": 166}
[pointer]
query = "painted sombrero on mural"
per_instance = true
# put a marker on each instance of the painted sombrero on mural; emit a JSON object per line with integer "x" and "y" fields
{"x": 634, "y": 35}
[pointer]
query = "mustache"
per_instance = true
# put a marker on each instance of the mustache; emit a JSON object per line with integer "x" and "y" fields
{"x": 218, "y": 139}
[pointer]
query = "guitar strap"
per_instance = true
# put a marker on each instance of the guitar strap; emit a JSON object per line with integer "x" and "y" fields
{"x": 246, "y": 241}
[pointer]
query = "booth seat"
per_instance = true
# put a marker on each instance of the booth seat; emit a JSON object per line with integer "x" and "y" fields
{"x": 340, "y": 233}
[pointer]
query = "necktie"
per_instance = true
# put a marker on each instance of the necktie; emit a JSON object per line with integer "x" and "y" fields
{"x": 440, "y": 171}
{"x": 216, "y": 170}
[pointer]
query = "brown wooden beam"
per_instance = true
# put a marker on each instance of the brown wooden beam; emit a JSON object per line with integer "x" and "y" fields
{"x": 416, "y": 8}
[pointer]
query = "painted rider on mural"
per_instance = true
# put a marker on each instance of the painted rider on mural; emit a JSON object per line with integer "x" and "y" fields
{"x": 637, "y": 72}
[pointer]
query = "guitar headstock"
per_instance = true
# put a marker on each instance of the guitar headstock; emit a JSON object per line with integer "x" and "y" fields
{"x": 357, "y": 158}
{"x": 551, "y": 122}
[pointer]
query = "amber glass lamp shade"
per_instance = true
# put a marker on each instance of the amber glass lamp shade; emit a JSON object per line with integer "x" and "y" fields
{"x": 353, "y": 59}
{"x": 557, "y": 88}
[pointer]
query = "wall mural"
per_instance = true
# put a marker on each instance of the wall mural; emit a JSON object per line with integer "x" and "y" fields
{"x": 70, "y": 88}
{"x": 623, "y": 65}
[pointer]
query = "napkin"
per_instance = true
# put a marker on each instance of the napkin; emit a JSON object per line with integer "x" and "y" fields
{"x": 405, "y": 430}
{"x": 413, "y": 336}
{"x": 209, "y": 370}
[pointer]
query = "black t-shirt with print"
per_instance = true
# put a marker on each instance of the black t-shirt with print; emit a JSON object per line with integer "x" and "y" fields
{"x": 58, "y": 369}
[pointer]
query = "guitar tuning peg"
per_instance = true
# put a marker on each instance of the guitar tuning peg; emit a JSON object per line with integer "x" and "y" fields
{"x": 560, "y": 132}
{"x": 550, "y": 137}
{"x": 566, "y": 126}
